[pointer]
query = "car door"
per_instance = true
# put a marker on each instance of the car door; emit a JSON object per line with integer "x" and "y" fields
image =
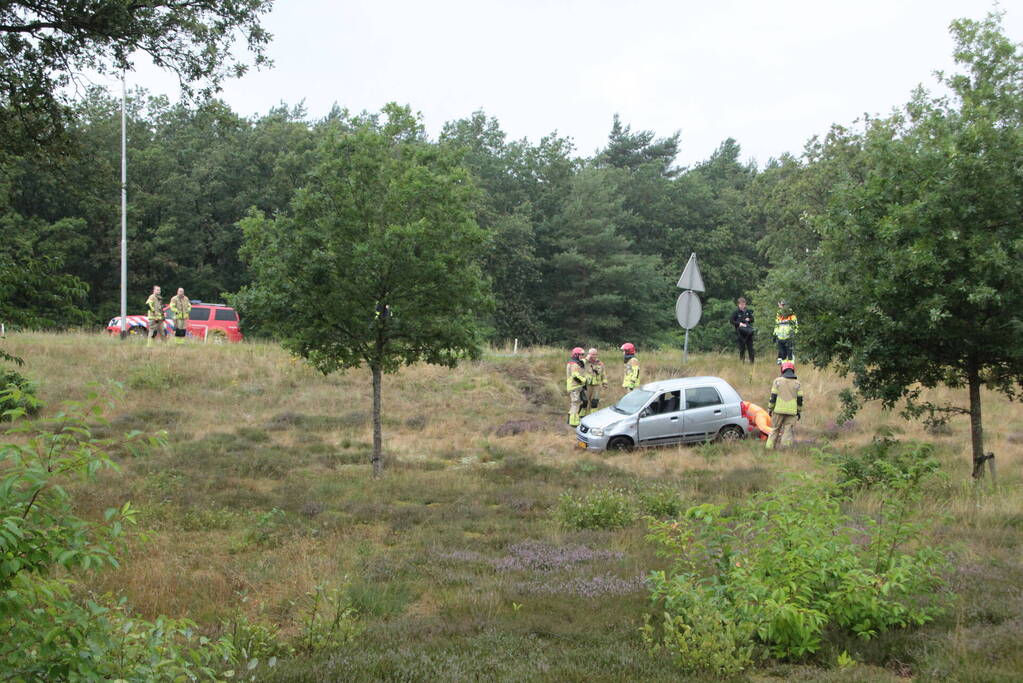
{"x": 661, "y": 421}
{"x": 704, "y": 413}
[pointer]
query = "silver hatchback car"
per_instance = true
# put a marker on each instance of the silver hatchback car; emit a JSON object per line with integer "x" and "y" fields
{"x": 671, "y": 411}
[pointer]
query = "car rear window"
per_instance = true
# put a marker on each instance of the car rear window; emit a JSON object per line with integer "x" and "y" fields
{"x": 199, "y": 313}
{"x": 225, "y": 314}
{"x": 698, "y": 397}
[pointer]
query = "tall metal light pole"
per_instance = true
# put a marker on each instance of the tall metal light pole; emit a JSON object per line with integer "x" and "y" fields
{"x": 124, "y": 213}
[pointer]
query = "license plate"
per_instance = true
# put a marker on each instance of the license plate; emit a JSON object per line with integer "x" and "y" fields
{"x": 581, "y": 444}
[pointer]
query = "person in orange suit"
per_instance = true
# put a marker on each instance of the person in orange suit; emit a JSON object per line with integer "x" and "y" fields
{"x": 757, "y": 417}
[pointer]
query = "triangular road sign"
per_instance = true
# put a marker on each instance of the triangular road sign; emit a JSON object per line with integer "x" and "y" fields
{"x": 691, "y": 278}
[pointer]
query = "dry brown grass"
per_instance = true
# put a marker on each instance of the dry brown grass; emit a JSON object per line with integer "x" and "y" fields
{"x": 252, "y": 429}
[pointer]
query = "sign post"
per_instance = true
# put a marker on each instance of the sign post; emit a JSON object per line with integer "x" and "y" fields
{"x": 688, "y": 308}
{"x": 124, "y": 213}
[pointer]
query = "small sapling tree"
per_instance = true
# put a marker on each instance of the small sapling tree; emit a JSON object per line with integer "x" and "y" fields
{"x": 918, "y": 278}
{"x": 377, "y": 261}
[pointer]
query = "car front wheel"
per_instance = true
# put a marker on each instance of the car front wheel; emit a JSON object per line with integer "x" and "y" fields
{"x": 620, "y": 443}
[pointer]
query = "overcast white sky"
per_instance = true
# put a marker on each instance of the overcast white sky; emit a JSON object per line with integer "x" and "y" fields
{"x": 769, "y": 74}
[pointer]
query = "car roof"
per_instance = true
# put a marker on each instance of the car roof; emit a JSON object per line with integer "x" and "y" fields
{"x": 683, "y": 383}
{"x": 196, "y": 302}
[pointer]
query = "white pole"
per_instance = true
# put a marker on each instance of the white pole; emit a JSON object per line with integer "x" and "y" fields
{"x": 124, "y": 214}
{"x": 516, "y": 349}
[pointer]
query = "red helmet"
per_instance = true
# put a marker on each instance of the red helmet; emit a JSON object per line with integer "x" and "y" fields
{"x": 788, "y": 365}
{"x": 577, "y": 351}
{"x": 629, "y": 348}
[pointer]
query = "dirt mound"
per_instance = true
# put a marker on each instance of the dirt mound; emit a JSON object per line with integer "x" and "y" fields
{"x": 535, "y": 387}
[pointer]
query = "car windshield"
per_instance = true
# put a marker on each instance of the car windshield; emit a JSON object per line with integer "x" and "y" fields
{"x": 632, "y": 402}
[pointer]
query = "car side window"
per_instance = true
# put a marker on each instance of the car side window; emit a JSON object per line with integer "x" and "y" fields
{"x": 699, "y": 397}
{"x": 199, "y": 313}
{"x": 667, "y": 402}
{"x": 225, "y": 314}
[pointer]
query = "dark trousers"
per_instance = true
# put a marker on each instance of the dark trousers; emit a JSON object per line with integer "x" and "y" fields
{"x": 786, "y": 349}
{"x": 745, "y": 346}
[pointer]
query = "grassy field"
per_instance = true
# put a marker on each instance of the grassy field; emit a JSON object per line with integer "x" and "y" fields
{"x": 455, "y": 560}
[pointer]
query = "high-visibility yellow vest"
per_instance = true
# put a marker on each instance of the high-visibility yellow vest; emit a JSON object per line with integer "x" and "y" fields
{"x": 786, "y": 395}
{"x": 575, "y": 376}
{"x": 785, "y": 326}
{"x": 155, "y": 307}
{"x": 631, "y": 379}
{"x": 182, "y": 308}
{"x": 597, "y": 372}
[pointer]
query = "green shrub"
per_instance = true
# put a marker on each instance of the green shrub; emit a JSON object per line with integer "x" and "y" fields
{"x": 788, "y": 566}
{"x": 661, "y": 502}
{"x": 149, "y": 377}
{"x": 885, "y": 462}
{"x": 701, "y": 638}
{"x": 51, "y": 630}
{"x": 269, "y": 531}
{"x": 255, "y": 645}
{"x": 603, "y": 509}
{"x": 17, "y": 395}
{"x": 328, "y": 620}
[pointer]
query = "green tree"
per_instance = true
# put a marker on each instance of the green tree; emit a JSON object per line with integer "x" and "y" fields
{"x": 377, "y": 261}
{"x": 919, "y": 273}
{"x": 600, "y": 286}
{"x": 45, "y": 45}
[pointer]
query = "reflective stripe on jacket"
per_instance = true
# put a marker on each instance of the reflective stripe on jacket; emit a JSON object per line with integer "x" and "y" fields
{"x": 575, "y": 375}
{"x": 631, "y": 379}
{"x": 598, "y": 374}
{"x": 786, "y": 396}
{"x": 785, "y": 326}
{"x": 182, "y": 308}
{"x": 155, "y": 307}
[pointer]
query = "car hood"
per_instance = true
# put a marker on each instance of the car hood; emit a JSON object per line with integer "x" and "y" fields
{"x": 603, "y": 418}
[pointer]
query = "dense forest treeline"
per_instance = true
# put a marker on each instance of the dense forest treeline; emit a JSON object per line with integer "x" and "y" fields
{"x": 579, "y": 248}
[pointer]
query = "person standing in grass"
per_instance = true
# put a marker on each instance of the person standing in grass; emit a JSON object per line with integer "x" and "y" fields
{"x": 631, "y": 379}
{"x": 575, "y": 383}
{"x": 154, "y": 316}
{"x": 786, "y": 405}
{"x": 182, "y": 309}
{"x": 742, "y": 321}
{"x": 597, "y": 377}
{"x": 785, "y": 328}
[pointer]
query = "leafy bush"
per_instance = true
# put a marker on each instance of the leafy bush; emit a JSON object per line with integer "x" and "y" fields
{"x": 785, "y": 566}
{"x": 255, "y": 644}
{"x": 604, "y": 509}
{"x": 661, "y": 502}
{"x": 50, "y": 633}
{"x": 17, "y": 393}
{"x": 885, "y": 462}
{"x": 269, "y": 531}
{"x": 149, "y": 377}
{"x": 328, "y": 620}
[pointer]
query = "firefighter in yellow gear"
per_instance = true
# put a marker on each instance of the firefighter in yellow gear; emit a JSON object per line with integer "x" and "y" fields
{"x": 181, "y": 307}
{"x": 576, "y": 379}
{"x": 631, "y": 379}
{"x": 596, "y": 376}
{"x": 786, "y": 405}
{"x": 154, "y": 316}
{"x": 786, "y": 325}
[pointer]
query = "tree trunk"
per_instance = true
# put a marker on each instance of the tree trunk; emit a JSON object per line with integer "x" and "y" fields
{"x": 976, "y": 427}
{"x": 378, "y": 437}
